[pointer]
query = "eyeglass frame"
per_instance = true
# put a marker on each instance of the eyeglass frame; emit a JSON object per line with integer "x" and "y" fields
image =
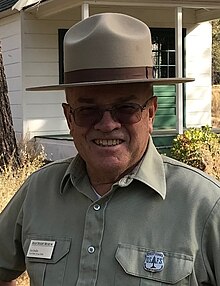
{"x": 101, "y": 111}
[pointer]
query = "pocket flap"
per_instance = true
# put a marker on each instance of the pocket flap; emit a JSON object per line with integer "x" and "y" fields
{"x": 61, "y": 248}
{"x": 176, "y": 266}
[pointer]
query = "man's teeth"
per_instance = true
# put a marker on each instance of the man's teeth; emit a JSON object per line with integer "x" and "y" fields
{"x": 109, "y": 142}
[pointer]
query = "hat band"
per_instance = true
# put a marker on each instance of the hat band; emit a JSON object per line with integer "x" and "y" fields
{"x": 108, "y": 74}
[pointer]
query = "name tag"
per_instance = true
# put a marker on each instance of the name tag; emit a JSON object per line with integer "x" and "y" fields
{"x": 41, "y": 249}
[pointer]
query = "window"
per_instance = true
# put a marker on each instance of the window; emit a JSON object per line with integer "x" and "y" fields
{"x": 163, "y": 42}
{"x": 61, "y": 34}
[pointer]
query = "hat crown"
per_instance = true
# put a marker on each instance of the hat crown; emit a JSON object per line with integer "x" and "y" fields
{"x": 108, "y": 48}
{"x": 127, "y": 43}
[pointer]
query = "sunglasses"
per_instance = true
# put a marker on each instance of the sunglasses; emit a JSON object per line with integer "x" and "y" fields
{"x": 125, "y": 113}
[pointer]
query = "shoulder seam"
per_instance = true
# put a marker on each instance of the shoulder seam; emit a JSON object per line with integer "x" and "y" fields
{"x": 190, "y": 168}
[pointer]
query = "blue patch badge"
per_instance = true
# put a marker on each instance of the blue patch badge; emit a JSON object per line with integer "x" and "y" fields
{"x": 154, "y": 261}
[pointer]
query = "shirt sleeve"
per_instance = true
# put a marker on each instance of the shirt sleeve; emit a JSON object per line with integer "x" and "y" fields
{"x": 211, "y": 245}
{"x": 12, "y": 260}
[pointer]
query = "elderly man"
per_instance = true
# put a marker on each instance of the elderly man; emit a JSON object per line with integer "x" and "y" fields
{"x": 118, "y": 213}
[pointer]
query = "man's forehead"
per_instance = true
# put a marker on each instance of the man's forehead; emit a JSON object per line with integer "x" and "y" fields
{"x": 116, "y": 98}
{"x": 117, "y": 91}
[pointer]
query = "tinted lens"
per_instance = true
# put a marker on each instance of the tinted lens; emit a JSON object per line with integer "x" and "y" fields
{"x": 127, "y": 113}
{"x": 124, "y": 113}
{"x": 87, "y": 116}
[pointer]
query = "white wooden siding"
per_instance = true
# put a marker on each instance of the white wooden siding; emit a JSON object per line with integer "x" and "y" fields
{"x": 37, "y": 127}
{"x": 42, "y": 110}
{"x": 198, "y": 59}
{"x": 10, "y": 37}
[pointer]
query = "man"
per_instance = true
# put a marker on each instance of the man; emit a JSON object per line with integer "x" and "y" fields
{"x": 119, "y": 213}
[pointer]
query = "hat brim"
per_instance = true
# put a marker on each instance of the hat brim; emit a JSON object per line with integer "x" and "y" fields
{"x": 156, "y": 81}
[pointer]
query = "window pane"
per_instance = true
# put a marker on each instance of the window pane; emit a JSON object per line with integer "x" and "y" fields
{"x": 172, "y": 59}
{"x": 61, "y": 34}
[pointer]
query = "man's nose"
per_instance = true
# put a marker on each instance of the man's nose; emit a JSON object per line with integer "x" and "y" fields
{"x": 107, "y": 123}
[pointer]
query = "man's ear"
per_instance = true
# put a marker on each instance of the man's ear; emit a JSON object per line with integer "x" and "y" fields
{"x": 153, "y": 108}
{"x": 69, "y": 117}
{"x": 152, "y": 113}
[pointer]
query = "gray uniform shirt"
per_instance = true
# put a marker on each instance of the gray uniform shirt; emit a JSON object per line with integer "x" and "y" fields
{"x": 159, "y": 225}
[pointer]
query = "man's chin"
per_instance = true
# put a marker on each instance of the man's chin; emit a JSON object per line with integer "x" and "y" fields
{"x": 111, "y": 165}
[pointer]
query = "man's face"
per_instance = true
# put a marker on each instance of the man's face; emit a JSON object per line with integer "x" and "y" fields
{"x": 109, "y": 145}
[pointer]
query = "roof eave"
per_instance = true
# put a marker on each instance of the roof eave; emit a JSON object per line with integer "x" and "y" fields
{"x": 7, "y": 12}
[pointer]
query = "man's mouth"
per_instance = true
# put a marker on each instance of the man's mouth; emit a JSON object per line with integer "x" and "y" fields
{"x": 107, "y": 142}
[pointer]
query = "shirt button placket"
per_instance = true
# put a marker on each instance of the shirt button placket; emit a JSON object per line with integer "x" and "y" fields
{"x": 92, "y": 239}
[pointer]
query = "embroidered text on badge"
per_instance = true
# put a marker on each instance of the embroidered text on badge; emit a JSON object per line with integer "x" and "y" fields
{"x": 154, "y": 261}
{"x": 41, "y": 249}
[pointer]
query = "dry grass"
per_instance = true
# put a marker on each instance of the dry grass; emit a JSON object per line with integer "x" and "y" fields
{"x": 216, "y": 106}
{"x": 11, "y": 179}
{"x": 211, "y": 161}
{"x": 32, "y": 158}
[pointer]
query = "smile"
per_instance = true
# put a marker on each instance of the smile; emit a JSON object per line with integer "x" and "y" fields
{"x": 107, "y": 142}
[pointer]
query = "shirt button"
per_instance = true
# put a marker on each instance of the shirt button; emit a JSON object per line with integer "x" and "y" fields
{"x": 91, "y": 249}
{"x": 124, "y": 182}
{"x": 97, "y": 207}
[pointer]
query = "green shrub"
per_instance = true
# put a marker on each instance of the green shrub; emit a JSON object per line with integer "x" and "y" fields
{"x": 200, "y": 148}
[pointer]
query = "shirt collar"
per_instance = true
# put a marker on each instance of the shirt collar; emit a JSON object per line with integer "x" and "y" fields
{"x": 150, "y": 171}
{"x": 75, "y": 171}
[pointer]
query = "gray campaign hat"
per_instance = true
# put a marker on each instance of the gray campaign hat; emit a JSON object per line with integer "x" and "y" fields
{"x": 108, "y": 48}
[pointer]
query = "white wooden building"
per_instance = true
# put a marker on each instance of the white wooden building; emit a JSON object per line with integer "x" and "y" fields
{"x": 29, "y": 35}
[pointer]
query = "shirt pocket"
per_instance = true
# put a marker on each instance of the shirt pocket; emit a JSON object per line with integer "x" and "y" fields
{"x": 47, "y": 272}
{"x": 176, "y": 271}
